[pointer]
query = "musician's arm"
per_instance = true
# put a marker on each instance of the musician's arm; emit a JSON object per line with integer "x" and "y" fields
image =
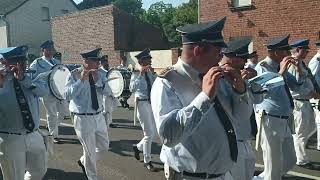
{"x": 173, "y": 120}
{"x": 73, "y": 87}
{"x": 34, "y": 67}
{"x": 38, "y": 87}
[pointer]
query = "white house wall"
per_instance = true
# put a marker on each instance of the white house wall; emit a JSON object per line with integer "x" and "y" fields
{"x": 3, "y": 34}
{"x": 27, "y": 24}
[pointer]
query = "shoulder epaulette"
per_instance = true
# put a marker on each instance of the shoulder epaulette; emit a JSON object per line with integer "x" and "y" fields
{"x": 165, "y": 72}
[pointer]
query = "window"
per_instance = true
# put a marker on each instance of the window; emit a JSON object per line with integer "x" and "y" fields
{"x": 64, "y": 11}
{"x": 45, "y": 14}
{"x": 241, "y": 3}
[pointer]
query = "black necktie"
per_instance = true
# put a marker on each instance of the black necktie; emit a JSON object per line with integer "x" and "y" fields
{"x": 313, "y": 80}
{"x": 24, "y": 107}
{"x": 148, "y": 83}
{"x": 227, "y": 125}
{"x": 286, "y": 87}
{"x": 94, "y": 98}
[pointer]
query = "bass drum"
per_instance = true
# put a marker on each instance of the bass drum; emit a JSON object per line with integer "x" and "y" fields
{"x": 57, "y": 80}
{"x": 119, "y": 82}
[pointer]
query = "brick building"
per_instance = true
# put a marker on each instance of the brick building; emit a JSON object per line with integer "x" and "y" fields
{"x": 115, "y": 31}
{"x": 265, "y": 19}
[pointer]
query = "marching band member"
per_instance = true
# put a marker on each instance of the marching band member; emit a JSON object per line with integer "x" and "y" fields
{"x": 23, "y": 147}
{"x": 236, "y": 55}
{"x": 85, "y": 89}
{"x": 276, "y": 110}
{"x": 193, "y": 110}
{"x": 109, "y": 101}
{"x": 314, "y": 66}
{"x": 140, "y": 85}
{"x": 303, "y": 113}
{"x": 54, "y": 107}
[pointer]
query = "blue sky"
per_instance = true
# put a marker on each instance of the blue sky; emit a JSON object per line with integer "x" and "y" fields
{"x": 147, "y": 3}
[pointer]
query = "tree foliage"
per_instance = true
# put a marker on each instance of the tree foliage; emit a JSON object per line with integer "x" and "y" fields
{"x": 86, "y": 4}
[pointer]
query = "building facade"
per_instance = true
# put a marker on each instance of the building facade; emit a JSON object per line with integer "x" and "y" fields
{"x": 115, "y": 31}
{"x": 28, "y": 22}
{"x": 263, "y": 19}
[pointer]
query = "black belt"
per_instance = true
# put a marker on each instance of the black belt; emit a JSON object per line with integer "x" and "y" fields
{"x": 302, "y": 99}
{"x": 143, "y": 99}
{"x": 12, "y": 133}
{"x": 276, "y": 116}
{"x": 201, "y": 175}
{"x": 86, "y": 114}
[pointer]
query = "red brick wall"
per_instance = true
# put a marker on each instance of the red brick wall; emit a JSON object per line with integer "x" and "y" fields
{"x": 267, "y": 19}
{"x": 105, "y": 27}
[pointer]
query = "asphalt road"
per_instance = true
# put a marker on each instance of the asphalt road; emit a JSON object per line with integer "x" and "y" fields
{"x": 119, "y": 163}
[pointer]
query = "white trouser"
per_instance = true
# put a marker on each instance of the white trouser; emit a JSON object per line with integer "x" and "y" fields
{"x": 178, "y": 176}
{"x": 93, "y": 135}
{"x": 56, "y": 110}
{"x": 304, "y": 122}
{"x": 145, "y": 116}
{"x": 245, "y": 166}
{"x": 108, "y": 108}
{"x": 317, "y": 115}
{"x": 277, "y": 146}
{"x": 23, "y": 153}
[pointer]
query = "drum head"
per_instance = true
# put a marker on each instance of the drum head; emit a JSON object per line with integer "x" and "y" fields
{"x": 117, "y": 84}
{"x": 57, "y": 80}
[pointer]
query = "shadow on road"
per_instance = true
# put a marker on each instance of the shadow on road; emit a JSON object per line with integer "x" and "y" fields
{"x": 124, "y": 147}
{"x": 57, "y": 174}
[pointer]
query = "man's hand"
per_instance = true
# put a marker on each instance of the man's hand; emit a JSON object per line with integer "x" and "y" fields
{"x": 233, "y": 76}
{"x": 284, "y": 64}
{"x": 144, "y": 69}
{"x": 211, "y": 80}
{"x": 95, "y": 74}
{"x": 84, "y": 75}
{"x": 248, "y": 73}
{"x": 18, "y": 71}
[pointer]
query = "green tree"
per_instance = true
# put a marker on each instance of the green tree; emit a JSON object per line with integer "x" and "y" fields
{"x": 133, "y": 7}
{"x": 86, "y": 4}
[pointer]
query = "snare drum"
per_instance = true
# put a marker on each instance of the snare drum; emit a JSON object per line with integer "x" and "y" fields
{"x": 120, "y": 83}
{"x": 57, "y": 80}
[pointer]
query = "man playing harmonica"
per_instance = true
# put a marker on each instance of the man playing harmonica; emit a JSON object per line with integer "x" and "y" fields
{"x": 276, "y": 110}
{"x": 140, "y": 85}
{"x": 23, "y": 148}
{"x": 85, "y": 89}
{"x": 314, "y": 65}
{"x": 235, "y": 56}
{"x": 193, "y": 108}
{"x": 303, "y": 112}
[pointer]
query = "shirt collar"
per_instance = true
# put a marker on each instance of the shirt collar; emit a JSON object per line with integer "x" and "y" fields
{"x": 188, "y": 70}
{"x": 272, "y": 63}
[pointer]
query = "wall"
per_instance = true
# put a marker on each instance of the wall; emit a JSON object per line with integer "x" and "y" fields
{"x": 267, "y": 19}
{"x": 27, "y": 25}
{"x": 107, "y": 27}
{"x": 3, "y": 34}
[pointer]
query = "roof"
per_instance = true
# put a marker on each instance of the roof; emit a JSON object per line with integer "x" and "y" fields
{"x": 7, "y": 6}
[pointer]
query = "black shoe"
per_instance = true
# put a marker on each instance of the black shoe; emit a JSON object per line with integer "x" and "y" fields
{"x": 56, "y": 141}
{"x": 112, "y": 125}
{"x": 307, "y": 166}
{"x": 149, "y": 166}
{"x": 136, "y": 152}
{"x": 83, "y": 169}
